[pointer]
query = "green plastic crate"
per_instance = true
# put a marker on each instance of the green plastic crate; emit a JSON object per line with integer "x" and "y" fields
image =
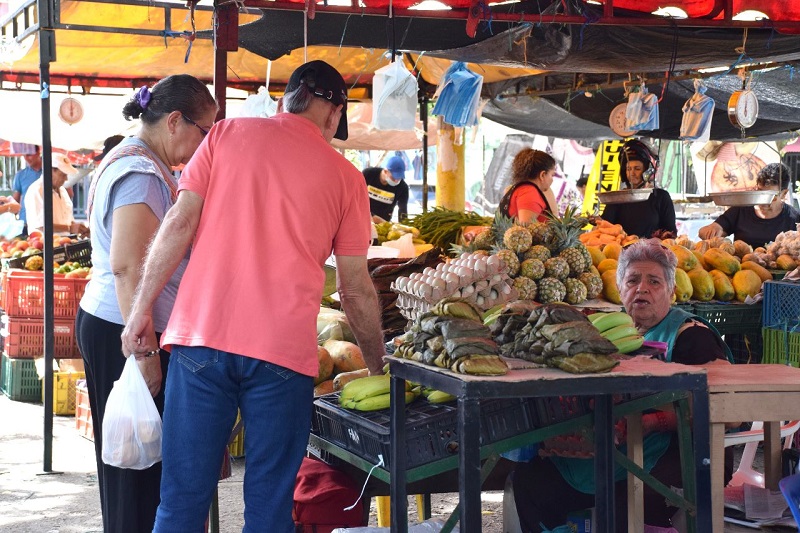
{"x": 730, "y": 317}
{"x": 20, "y": 381}
{"x": 776, "y": 345}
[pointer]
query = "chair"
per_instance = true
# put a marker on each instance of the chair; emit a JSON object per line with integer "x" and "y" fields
{"x": 745, "y": 473}
{"x": 790, "y": 488}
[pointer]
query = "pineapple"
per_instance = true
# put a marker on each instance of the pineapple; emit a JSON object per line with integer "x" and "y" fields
{"x": 532, "y": 268}
{"x": 484, "y": 240}
{"x": 587, "y": 257}
{"x": 594, "y": 284}
{"x": 551, "y": 290}
{"x": 511, "y": 261}
{"x": 576, "y": 291}
{"x": 500, "y": 225}
{"x": 566, "y": 229}
{"x": 517, "y": 239}
{"x": 537, "y": 251}
{"x": 574, "y": 259}
{"x": 526, "y": 288}
{"x": 556, "y": 267}
{"x": 542, "y": 233}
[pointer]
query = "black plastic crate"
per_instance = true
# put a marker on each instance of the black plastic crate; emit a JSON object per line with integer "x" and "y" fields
{"x": 431, "y": 429}
{"x": 552, "y": 410}
{"x": 730, "y": 317}
{"x": 746, "y": 347}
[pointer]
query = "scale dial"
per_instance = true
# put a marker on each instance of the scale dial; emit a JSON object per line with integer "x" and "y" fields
{"x": 70, "y": 111}
{"x": 616, "y": 121}
{"x": 743, "y": 108}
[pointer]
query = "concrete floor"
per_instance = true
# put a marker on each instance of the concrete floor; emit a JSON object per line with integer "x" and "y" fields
{"x": 68, "y": 501}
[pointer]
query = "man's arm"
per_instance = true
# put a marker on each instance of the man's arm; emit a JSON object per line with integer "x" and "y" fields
{"x": 360, "y": 304}
{"x": 168, "y": 249}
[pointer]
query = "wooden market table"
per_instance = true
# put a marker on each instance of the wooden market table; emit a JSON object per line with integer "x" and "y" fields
{"x": 743, "y": 393}
{"x": 640, "y": 375}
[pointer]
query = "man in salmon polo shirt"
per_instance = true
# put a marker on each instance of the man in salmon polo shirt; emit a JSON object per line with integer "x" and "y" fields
{"x": 243, "y": 330}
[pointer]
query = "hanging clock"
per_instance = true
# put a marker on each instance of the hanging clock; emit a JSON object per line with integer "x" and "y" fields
{"x": 616, "y": 121}
{"x": 743, "y": 108}
{"x": 70, "y": 111}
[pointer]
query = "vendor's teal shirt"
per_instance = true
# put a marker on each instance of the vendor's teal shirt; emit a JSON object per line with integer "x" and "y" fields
{"x": 579, "y": 473}
{"x": 667, "y": 330}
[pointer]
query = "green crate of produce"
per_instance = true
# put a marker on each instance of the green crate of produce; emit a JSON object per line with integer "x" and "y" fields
{"x": 20, "y": 381}
{"x": 780, "y": 350}
{"x": 731, "y": 317}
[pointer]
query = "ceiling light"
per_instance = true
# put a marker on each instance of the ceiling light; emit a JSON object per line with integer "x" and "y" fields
{"x": 430, "y": 5}
{"x": 750, "y": 14}
{"x": 671, "y": 12}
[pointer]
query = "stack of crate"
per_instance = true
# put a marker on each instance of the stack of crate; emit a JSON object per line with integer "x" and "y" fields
{"x": 23, "y": 329}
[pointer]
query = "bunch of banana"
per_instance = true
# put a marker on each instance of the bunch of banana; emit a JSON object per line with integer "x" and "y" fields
{"x": 618, "y": 328}
{"x": 370, "y": 393}
{"x": 437, "y": 396}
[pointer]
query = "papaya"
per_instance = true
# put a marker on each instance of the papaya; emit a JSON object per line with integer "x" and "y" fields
{"x": 610, "y": 290}
{"x": 607, "y": 264}
{"x": 721, "y": 260}
{"x": 702, "y": 285}
{"x": 597, "y": 254}
{"x": 742, "y": 248}
{"x": 748, "y": 257}
{"x": 700, "y": 261}
{"x": 686, "y": 259}
{"x": 785, "y": 262}
{"x": 346, "y": 377}
{"x": 683, "y": 286}
{"x": 762, "y": 272}
{"x": 325, "y": 365}
{"x": 746, "y": 283}
{"x": 326, "y": 387}
{"x": 612, "y": 250}
{"x": 723, "y": 288}
{"x": 346, "y": 356}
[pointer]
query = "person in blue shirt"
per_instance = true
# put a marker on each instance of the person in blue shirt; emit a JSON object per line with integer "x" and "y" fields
{"x": 24, "y": 178}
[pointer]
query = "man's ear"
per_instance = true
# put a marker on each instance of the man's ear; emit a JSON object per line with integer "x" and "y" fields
{"x": 334, "y": 117}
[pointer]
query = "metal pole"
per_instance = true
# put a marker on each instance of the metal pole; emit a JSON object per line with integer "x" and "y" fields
{"x": 423, "y": 116}
{"x": 47, "y": 53}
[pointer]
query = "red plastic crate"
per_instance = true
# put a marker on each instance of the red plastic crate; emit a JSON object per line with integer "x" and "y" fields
{"x": 23, "y": 294}
{"x": 25, "y": 338}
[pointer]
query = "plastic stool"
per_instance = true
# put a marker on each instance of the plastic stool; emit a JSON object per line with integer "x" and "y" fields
{"x": 790, "y": 488}
{"x": 510, "y": 517}
{"x": 382, "y": 505}
{"x": 745, "y": 474}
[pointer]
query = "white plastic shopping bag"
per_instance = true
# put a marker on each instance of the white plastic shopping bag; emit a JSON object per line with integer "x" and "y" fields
{"x": 394, "y": 97}
{"x": 131, "y": 424}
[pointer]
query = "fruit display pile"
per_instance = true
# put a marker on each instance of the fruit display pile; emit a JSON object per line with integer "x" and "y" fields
{"x": 22, "y": 247}
{"x": 388, "y": 231}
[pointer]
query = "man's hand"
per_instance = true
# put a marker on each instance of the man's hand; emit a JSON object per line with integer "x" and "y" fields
{"x": 151, "y": 371}
{"x": 139, "y": 336}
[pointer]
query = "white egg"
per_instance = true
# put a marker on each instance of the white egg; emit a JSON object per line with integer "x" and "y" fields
{"x": 427, "y": 271}
{"x": 439, "y": 283}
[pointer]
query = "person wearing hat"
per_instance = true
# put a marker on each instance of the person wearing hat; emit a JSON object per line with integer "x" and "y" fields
{"x": 25, "y": 177}
{"x": 293, "y": 200}
{"x": 108, "y": 144}
{"x": 63, "y": 220}
{"x": 652, "y": 217}
{"x": 387, "y": 188}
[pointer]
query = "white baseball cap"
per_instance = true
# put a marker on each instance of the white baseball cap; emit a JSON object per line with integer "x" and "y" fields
{"x": 61, "y": 162}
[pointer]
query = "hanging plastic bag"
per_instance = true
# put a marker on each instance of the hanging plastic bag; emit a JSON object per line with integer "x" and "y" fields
{"x": 642, "y": 111}
{"x": 259, "y": 105}
{"x": 697, "y": 114}
{"x": 10, "y": 227}
{"x": 395, "y": 96}
{"x": 131, "y": 424}
{"x": 459, "y": 95}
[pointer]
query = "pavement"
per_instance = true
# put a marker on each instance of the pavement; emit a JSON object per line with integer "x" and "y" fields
{"x": 66, "y": 500}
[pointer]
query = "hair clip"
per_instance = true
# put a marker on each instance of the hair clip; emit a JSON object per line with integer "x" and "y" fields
{"x": 143, "y": 96}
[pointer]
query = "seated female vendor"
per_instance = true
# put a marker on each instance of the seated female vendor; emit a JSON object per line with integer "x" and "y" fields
{"x": 759, "y": 224}
{"x": 553, "y": 485}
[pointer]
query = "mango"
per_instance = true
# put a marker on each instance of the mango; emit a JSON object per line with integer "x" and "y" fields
{"x": 702, "y": 285}
{"x": 686, "y": 259}
{"x": 723, "y": 288}
{"x": 721, "y": 260}
{"x": 683, "y": 286}
{"x": 597, "y": 254}
{"x": 612, "y": 250}
{"x": 606, "y": 265}
{"x": 785, "y": 262}
{"x": 610, "y": 290}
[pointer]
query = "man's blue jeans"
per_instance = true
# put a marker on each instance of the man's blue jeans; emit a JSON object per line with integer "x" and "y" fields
{"x": 204, "y": 389}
